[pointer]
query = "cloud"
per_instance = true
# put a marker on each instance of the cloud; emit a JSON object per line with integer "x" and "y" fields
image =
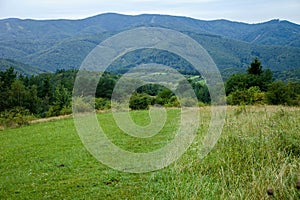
{"x": 174, "y": 1}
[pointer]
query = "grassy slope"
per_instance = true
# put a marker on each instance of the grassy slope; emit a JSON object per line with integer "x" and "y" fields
{"x": 259, "y": 148}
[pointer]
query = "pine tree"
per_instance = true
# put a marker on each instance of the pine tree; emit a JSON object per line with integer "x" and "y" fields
{"x": 255, "y": 67}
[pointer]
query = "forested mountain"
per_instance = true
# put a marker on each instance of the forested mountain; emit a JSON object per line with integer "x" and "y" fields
{"x": 19, "y": 67}
{"x": 54, "y": 44}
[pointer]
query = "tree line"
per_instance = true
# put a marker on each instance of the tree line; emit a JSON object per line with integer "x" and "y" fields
{"x": 50, "y": 94}
{"x": 257, "y": 86}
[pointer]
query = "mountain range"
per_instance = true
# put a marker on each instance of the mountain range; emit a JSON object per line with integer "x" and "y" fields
{"x": 48, "y": 45}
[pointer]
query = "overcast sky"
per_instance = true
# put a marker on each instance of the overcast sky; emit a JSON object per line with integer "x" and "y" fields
{"x": 250, "y": 11}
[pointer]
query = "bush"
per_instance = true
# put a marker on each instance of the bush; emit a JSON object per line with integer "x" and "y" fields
{"x": 188, "y": 102}
{"x": 277, "y": 93}
{"x": 201, "y": 104}
{"x": 15, "y": 117}
{"x": 53, "y": 111}
{"x": 102, "y": 104}
{"x": 139, "y": 101}
{"x": 164, "y": 97}
{"x": 251, "y": 96}
{"x": 173, "y": 102}
{"x": 280, "y": 93}
{"x": 83, "y": 104}
{"x": 66, "y": 110}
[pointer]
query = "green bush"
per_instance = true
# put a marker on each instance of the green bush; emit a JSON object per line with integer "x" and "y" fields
{"x": 201, "y": 104}
{"x": 66, "y": 110}
{"x": 251, "y": 96}
{"x": 280, "y": 93}
{"x": 102, "y": 104}
{"x": 188, "y": 102}
{"x": 83, "y": 104}
{"x": 164, "y": 97}
{"x": 53, "y": 111}
{"x": 139, "y": 101}
{"x": 15, "y": 117}
{"x": 173, "y": 102}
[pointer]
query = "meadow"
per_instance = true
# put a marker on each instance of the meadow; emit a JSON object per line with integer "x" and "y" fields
{"x": 259, "y": 150}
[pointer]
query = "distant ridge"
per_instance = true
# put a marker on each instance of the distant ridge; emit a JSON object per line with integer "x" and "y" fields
{"x": 55, "y": 44}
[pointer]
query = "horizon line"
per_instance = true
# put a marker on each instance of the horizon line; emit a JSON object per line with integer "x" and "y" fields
{"x": 139, "y": 14}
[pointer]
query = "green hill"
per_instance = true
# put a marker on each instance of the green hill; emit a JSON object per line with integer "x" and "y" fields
{"x": 19, "y": 67}
{"x": 54, "y": 44}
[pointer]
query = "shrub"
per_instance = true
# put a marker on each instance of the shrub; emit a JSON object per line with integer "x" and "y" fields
{"x": 277, "y": 93}
{"x": 188, "y": 102}
{"x": 139, "y": 101}
{"x": 164, "y": 97}
{"x": 201, "y": 104}
{"x": 83, "y": 104}
{"x": 53, "y": 111}
{"x": 66, "y": 110}
{"x": 102, "y": 104}
{"x": 173, "y": 102}
{"x": 15, "y": 117}
{"x": 251, "y": 96}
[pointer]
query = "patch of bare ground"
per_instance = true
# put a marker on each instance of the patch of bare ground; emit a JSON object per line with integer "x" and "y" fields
{"x": 50, "y": 119}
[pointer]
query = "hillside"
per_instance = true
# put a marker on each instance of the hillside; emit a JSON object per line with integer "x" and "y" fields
{"x": 19, "y": 67}
{"x": 54, "y": 44}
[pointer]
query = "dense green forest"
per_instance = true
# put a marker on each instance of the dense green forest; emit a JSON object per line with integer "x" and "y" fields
{"x": 50, "y": 94}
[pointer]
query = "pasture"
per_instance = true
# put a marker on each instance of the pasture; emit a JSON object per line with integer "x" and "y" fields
{"x": 259, "y": 149}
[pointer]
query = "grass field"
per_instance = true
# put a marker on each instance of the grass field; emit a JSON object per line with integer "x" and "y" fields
{"x": 259, "y": 149}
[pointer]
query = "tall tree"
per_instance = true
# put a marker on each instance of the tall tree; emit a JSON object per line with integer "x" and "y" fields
{"x": 7, "y": 77}
{"x": 17, "y": 94}
{"x": 255, "y": 76}
{"x": 278, "y": 93}
{"x": 255, "y": 67}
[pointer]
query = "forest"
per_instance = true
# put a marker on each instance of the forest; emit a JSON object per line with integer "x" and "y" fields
{"x": 24, "y": 97}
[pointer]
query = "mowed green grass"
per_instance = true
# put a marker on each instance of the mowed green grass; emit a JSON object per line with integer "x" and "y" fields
{"x": 258, "y": 149}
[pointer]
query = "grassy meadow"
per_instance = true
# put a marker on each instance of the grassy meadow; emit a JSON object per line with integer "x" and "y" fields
{"x": 259, "y": 149}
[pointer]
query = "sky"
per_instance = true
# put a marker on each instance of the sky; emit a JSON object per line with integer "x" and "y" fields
{"x": 249, "y": 11}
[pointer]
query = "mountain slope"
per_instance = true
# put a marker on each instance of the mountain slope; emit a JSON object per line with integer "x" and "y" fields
{"x": 19, "y": 67}
{"x": 280, "y": 32}
{"x": 54, "y": 44}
